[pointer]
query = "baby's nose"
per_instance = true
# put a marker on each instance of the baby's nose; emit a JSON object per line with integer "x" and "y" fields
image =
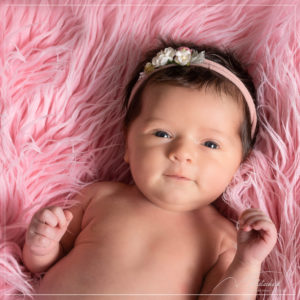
{"x": 183, "y": 151}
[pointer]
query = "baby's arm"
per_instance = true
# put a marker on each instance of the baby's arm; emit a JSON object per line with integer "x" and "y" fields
{"x": 52, "y": 233}
{"x": 237, "y": 271}
{"x": 231, "y": 279}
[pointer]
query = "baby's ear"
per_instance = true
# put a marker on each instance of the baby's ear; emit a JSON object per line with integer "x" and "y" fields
{"x": 126, "y": 156}
{"x": 126, "y": 159}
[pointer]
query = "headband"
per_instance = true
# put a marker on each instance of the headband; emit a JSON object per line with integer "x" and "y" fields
{"x": 189, "y": 57}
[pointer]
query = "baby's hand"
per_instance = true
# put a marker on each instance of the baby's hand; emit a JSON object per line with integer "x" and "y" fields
{"x": 46, "y": 228}
{"x": 256, "y": 236}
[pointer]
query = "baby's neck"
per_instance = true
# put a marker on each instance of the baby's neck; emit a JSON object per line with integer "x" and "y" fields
{"x": 137, "y": 194}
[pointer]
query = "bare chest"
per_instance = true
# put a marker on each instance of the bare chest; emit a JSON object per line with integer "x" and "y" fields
{"x": 150, "y": 246}
{"x": 136, "y": 250}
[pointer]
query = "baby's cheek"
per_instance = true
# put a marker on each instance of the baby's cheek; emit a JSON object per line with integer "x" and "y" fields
{"x": 219, "y": 183}
{"x": 141, "y": 169}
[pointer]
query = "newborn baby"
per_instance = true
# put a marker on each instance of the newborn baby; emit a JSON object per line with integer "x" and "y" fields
{"x": 160, "y": 236}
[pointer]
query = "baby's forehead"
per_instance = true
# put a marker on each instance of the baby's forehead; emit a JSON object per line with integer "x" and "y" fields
{"x": 153, "y": 92}
{"x": 158, "y": 88}
{"x": 190, "y": 104}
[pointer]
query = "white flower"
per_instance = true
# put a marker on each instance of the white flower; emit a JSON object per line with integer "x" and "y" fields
{"x": 163, "y": 57}
{"x": 198, "y": 57}
{"x": 183, "y": 56}
{"x": 142, "y": 75}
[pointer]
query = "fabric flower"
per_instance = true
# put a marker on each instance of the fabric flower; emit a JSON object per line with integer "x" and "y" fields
{"x": 163, "y": 57}
{"x": 197, "y": 57}
{"x": 183, "y": 56}
{"x": 148, "y": 68}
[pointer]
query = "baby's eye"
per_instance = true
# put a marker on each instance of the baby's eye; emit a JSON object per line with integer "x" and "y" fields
{"x": 211, "y": 145}
{"x": 162, "y": 134}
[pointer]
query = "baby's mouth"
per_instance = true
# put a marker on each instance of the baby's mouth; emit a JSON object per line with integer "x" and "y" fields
{"x": 178, "y": 177}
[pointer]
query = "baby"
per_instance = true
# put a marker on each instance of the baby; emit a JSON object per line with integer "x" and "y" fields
{"x": 190, "y": 122}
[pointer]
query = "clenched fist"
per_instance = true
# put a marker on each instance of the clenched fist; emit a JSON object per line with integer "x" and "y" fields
{"x": 46, "y": 229}
{"x": 257, "y": 235}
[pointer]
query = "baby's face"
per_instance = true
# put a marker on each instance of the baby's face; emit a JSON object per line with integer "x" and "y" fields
{"x": 184, "y": 147}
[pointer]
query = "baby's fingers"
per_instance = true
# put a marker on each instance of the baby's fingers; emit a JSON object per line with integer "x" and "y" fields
{"x": 63, "y": 217}
{"x": 36, "y": 241}
{"x": 251, "y": 215}
{"x": 248, "y": 213}
{"x": 44, "y": 230}
{"x": 255, "y": 220}
{"x": 54, "y": 216}
{"x": 46, "y": 216}
{"x": 260, "y": 224}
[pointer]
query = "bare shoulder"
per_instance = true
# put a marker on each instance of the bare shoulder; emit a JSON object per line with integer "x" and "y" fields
{"x": 92, "y": 193}
{"x": 229, "y": 235}
{"x": 80, "y": 208}
{"x": 226, "y": 229}
{"x": 98, "y": 190}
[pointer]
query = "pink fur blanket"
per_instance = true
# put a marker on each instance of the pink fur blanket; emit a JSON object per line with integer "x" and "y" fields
{"x": 63, "y": 69}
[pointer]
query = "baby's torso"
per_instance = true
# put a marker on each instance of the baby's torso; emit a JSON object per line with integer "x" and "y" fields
{"x": 129, "y": 246}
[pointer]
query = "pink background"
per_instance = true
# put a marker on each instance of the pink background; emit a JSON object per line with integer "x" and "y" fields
{"x": 63, "y": 70}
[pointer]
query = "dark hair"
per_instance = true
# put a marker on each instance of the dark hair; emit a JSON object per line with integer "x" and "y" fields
{"x": 196, "y": 77}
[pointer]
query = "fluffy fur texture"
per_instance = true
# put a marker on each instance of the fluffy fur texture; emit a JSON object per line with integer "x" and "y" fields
{"x": 63, "y": 69}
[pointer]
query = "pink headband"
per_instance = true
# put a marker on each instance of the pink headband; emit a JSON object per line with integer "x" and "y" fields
{"x": 189, "y": 57}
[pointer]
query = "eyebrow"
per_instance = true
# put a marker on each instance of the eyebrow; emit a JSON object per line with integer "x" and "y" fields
{"x": 216, "y": 131}
{"x": 153, "y": 119}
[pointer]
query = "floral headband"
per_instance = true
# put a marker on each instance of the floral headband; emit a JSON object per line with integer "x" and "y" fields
{"x": 185, "y": 56}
